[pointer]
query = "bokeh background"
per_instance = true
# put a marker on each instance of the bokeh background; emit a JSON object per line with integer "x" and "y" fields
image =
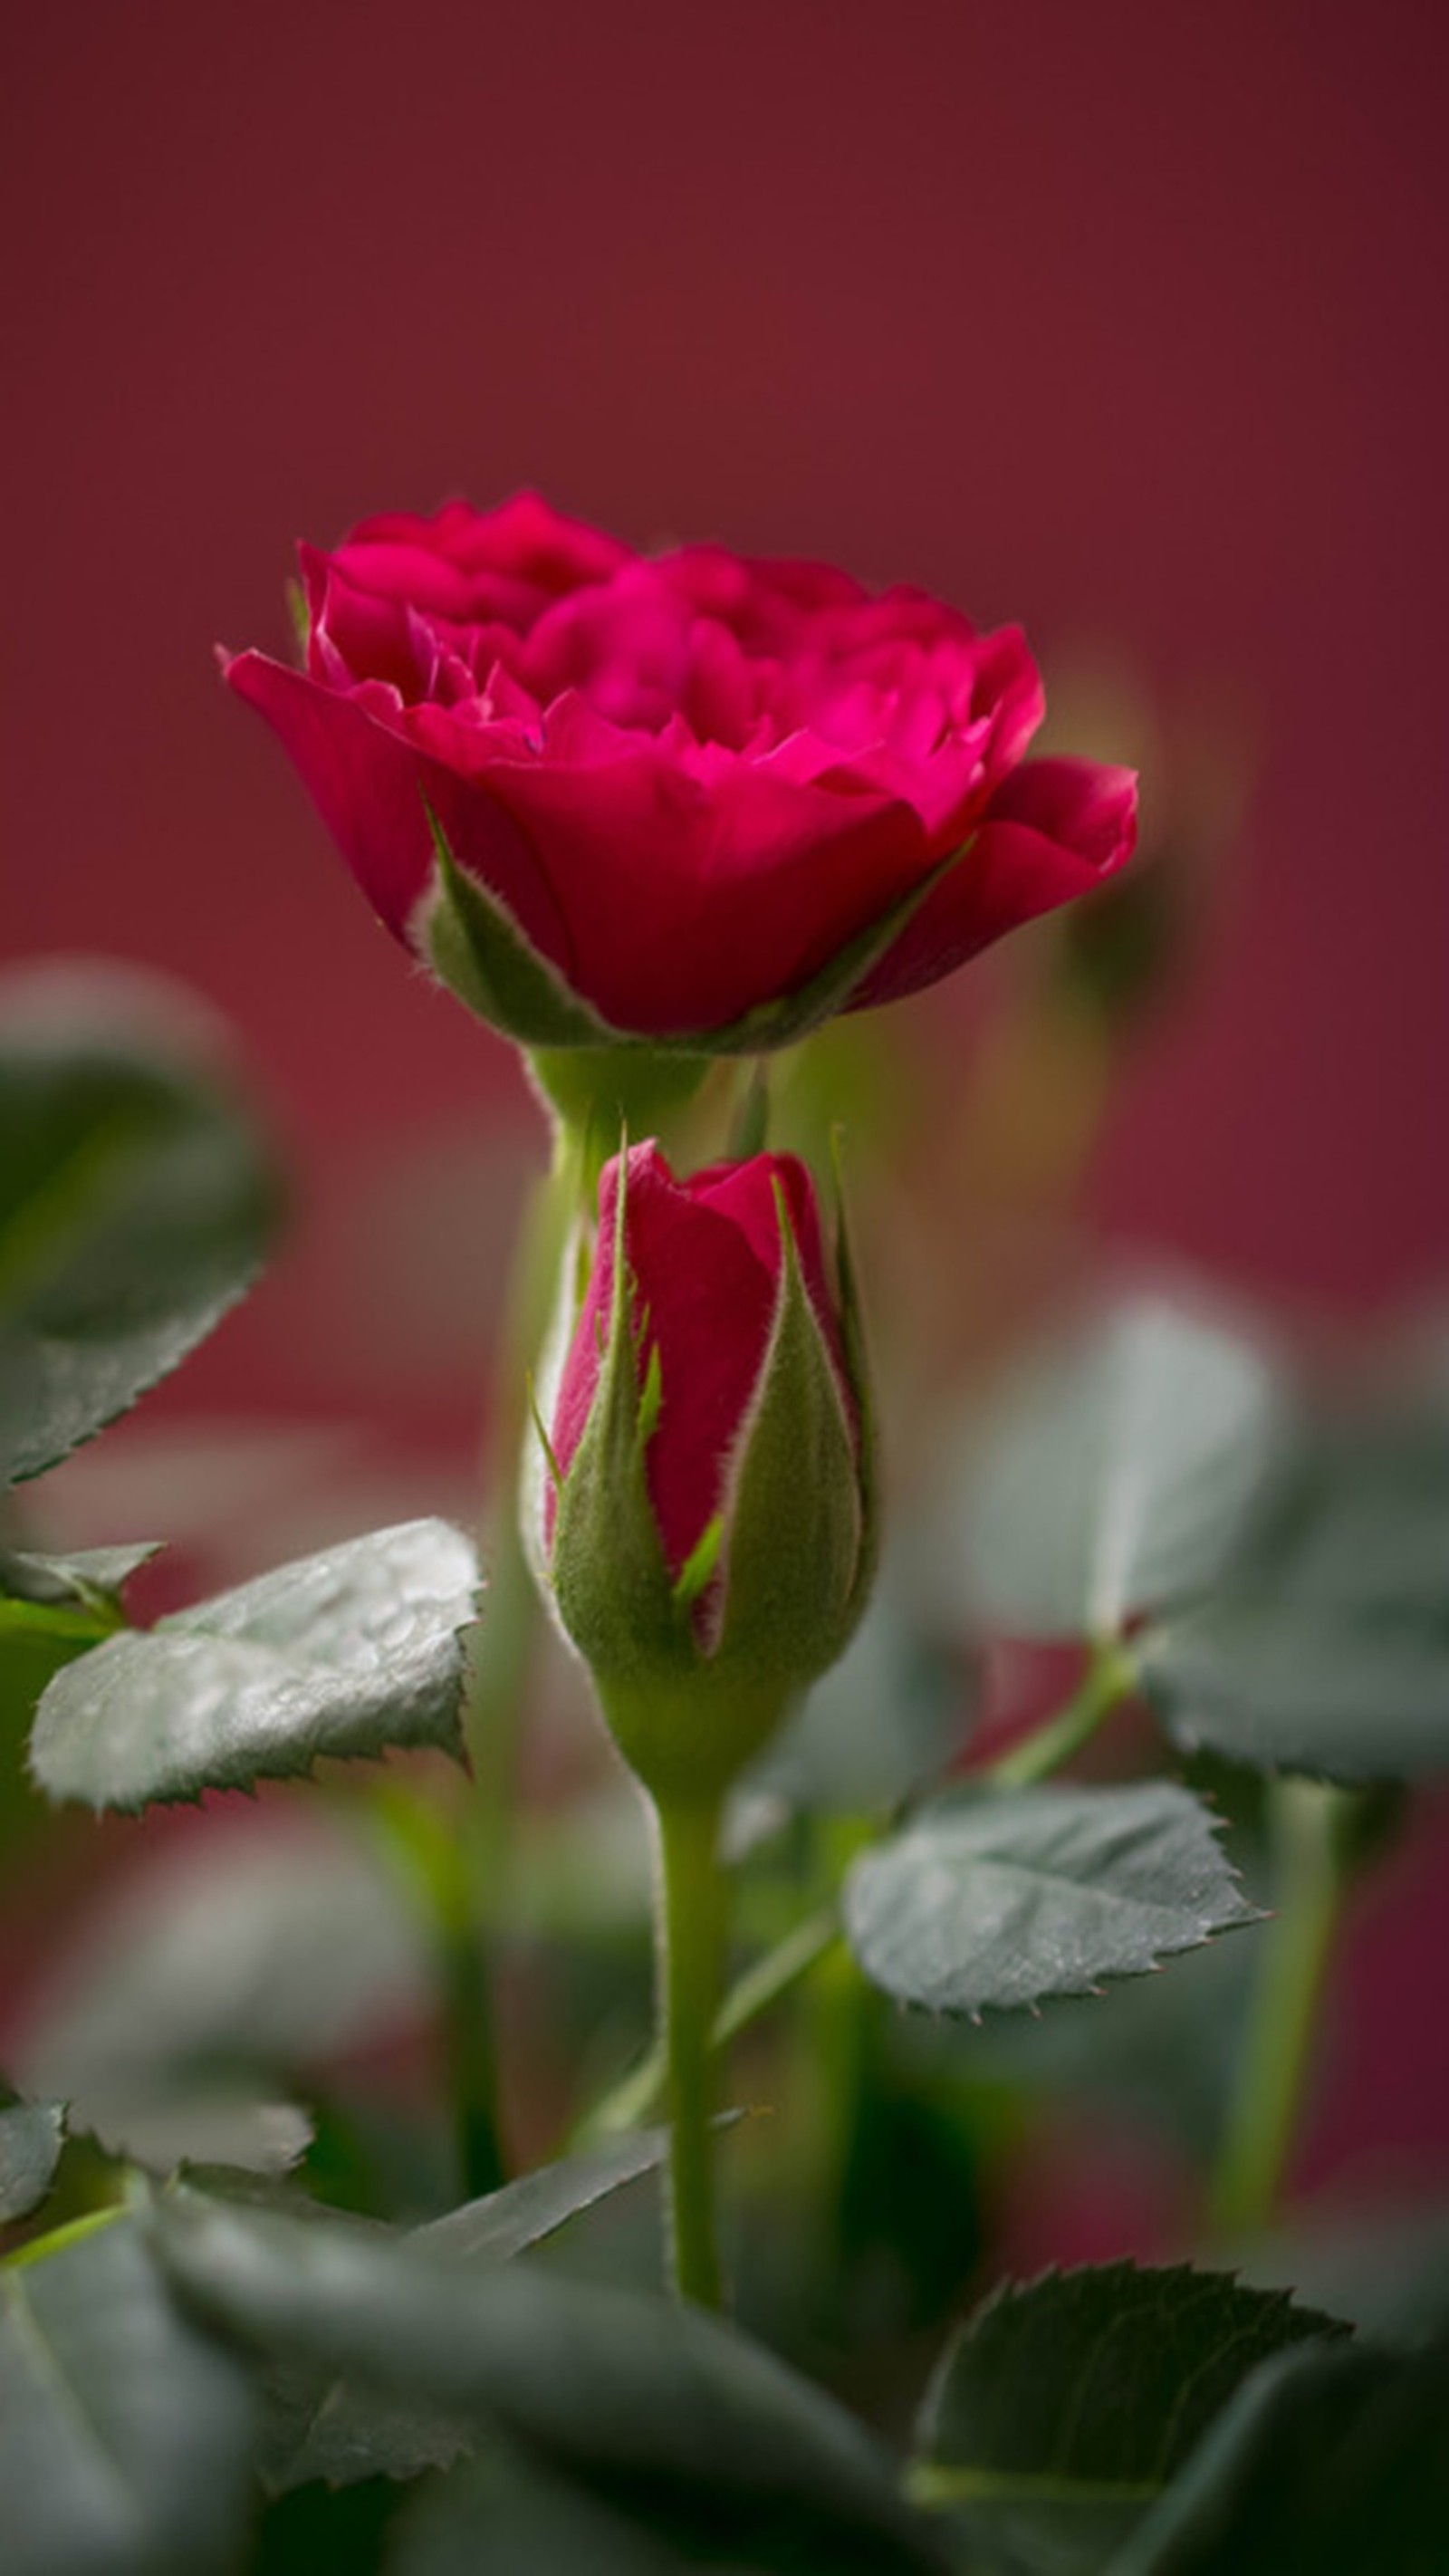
{"x": 1125, "y": 322}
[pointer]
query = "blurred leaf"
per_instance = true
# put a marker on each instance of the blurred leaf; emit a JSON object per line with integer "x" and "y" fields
{"x": 136, "y": 1202}
{"x": 1002, "y": 1901}
{"x": 518, "y": 2522}
{"x": 215, "y": 2124}
{"x": 524, "y": 2212}
{"x": 315, "y": 2532}
{"x": 515, "y": 2519}
{"x": 1360, "y": 1526}
{"x": 886, "y": 1717}
{"x": 1062, "y": 2409}
{"x": 1386, "y": 2270}
{"x": 1283, "y": 1690}
{"x": 1105, "y": 2376}
{"x": 270, "y": 1945}
{"x": 1330, "y": 2460}
{"x": 33, "y": 1649}
{"x": 349, "y": 1653}
{"x": 124, "y": 2430}
{"x": 1158, "y": 2049}
{"x": 31, "y": 2137}
{"x": 634, "y": 2395}
{"x": 1115, "y": 950}
{"x": 89, "y": 1579}
{"x": 1114, "y": 1477}
{"x": 52, "y": 1608}
{"x": 320, "y": 2427}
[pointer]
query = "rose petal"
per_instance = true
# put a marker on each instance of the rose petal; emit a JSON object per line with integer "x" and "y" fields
{"x": 372, "y": 788}
{"x": 1055, "y": 829}
{"x": 737, "y": 1190}
{"x": 708, "y": 1299}
{"x": 692, "y": 895}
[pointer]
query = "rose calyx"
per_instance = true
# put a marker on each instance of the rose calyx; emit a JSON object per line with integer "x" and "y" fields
{"x": 706, "y": 1595}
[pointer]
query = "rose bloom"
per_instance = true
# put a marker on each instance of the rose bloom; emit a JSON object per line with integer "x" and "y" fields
{"x": 696, "y": 784}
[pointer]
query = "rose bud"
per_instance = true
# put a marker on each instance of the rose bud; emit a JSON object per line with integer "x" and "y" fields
{"x": 708, "y": 1523}
{"x": 694, "y": 803}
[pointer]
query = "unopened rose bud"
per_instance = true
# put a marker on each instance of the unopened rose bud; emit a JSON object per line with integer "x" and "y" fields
{"x": 708, "y": 1524}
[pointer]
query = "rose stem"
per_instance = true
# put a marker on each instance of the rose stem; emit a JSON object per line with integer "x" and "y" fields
{"x": 692, "y": 1917}
{"x": 1109, "y": 1681}
{"x": 500, "y": 1661}
{"x": 1110, "y": 1678}
{"x": 1306, "y": 1825}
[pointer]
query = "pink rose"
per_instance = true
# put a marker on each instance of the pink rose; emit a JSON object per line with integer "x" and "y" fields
{"x": 695, "y": 799}
{"x": 708, "y": 1525}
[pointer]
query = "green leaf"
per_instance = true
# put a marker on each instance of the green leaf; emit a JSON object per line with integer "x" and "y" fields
{"x": 349, "y": 1653}
{"x": 52, "y": 1608}
{"x": 136, "y": 1203}
{"x": 1285, "y": 1690}
{"x": 321, "y": 2426}
{"x": 1331, "y": 2460}
{"x": 1081, "y": 2394}
{"x": 124, "y": 2429}
{"x": 994, "y": 1902}
{"x": 31, "y": 2137}
{"x": 631, "y": 2394}
{"x": 1114, "y": 1478}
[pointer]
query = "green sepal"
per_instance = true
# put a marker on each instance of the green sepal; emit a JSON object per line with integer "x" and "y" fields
{"x": 691, "y": 1699}
{"x": 783, "y": 1022}
{"x": 684, "y": 1723}
{"x": 857, "y": 1369}
{"x": 607, "y": 1564}
{"x": 477, "y": 948}
{"x": 794, "y": 1519}
{"x": 698, "y": 1569}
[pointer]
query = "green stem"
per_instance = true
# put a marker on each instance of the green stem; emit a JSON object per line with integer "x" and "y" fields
{"x": 1306, "y": 1819}
{"x": 693, "y": 1930}
{"x": 774, "y": 1975}
{"x": 504, "y": 1642}
{"x": 38, "y": 2249}
{"x": 430, "y": 1847}
{"x": 1110, "y": 1678}
{"x": 468, "y": 1889}
{"x": 469, "y": 2039}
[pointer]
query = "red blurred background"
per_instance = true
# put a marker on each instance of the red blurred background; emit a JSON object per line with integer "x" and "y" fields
{"x": 1124, "y": 322}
